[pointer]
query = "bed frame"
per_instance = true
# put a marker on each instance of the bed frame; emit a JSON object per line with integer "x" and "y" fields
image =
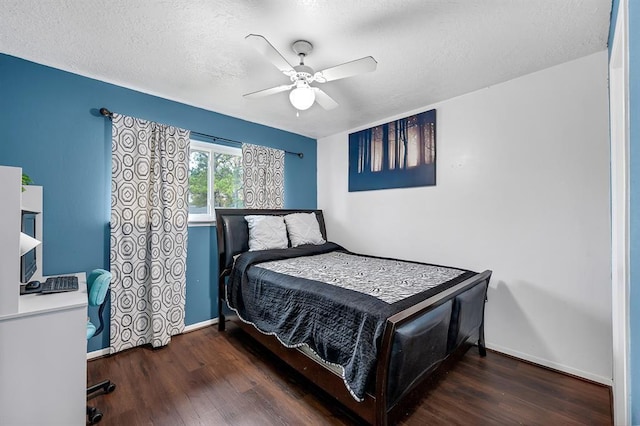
{"x": 465, "y": 324}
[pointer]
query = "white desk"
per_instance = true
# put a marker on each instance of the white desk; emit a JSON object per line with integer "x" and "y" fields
{"x": 43, "y": 359}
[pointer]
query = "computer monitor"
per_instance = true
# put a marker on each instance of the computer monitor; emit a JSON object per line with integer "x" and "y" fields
{"x": 28, "y": 264}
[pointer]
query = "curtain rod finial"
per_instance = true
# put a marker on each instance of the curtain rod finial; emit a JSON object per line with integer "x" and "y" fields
{"x": 106, "y": 112}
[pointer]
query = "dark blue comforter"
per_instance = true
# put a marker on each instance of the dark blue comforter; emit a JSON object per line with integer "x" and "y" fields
{"x": 342, "y": 326}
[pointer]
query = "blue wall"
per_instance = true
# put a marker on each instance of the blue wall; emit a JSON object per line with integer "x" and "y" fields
{"x": 634, "y": 200}
{"x": 49, "y": 126}
{"x": 612, "y": 23}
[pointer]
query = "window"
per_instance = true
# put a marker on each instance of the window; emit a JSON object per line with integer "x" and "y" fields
{"x": 215, "y": 180}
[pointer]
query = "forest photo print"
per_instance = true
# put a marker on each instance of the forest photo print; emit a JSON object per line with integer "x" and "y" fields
{"x": 398, "y": 154}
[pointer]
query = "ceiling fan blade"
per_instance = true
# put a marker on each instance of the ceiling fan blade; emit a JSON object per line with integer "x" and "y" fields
{"x": 324, "y": 100}
{"x": 348, "y": 69}
{"x": 267, "y": 92}
{"x": 263, "y": 46}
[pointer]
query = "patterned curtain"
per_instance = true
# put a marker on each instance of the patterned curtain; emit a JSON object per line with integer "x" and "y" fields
{"x": 263, "y": 177}
{"x": 149, "y": 210}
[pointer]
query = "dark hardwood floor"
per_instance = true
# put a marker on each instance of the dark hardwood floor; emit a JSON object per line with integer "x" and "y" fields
{"x": 211, "y": 378}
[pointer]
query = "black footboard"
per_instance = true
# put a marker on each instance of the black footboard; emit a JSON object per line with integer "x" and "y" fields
{"x": 416, "y": 341}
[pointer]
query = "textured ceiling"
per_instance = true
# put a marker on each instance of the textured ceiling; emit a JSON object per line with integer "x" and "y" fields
{"x": 194, "y": 51}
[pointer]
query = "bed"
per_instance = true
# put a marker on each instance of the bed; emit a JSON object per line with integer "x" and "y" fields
{"x": 329, "y": 313}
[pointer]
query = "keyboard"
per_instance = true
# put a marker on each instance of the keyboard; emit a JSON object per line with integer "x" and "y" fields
{"x": 59, "y": 284}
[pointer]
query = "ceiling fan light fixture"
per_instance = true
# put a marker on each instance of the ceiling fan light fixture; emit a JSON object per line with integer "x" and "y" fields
{"x": 302, "y": 97}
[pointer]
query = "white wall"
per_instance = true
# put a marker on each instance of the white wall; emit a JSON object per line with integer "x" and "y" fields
{"x": 522, "y": 189}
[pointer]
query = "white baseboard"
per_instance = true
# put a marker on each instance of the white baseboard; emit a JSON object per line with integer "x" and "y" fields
{"x": 198, "y": 325}
{"x": 98, "y": 353}
{"x": 188, "y": 328}
{"x": 553, "y": 365}
{"x": 543, "y": 362}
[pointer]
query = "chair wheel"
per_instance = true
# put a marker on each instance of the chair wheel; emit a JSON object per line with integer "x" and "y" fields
{"x": 110, "y": 388}
{"x": 95, "y": 416}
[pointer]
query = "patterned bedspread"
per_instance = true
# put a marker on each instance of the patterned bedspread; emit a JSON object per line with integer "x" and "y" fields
{"x": 331, "y": 300}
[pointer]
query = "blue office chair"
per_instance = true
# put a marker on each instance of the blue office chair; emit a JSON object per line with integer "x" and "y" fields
{"x": 98, "y": 291}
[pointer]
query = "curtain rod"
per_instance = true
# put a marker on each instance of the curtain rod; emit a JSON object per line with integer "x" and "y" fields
{"x": 109, "y": 114}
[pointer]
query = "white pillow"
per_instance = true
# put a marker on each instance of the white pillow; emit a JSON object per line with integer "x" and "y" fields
{"x": 303, "y": 228}
{"x": 266, "y": 232}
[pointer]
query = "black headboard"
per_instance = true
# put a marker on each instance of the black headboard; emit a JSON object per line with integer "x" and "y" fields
{"x": 233, "y": 231}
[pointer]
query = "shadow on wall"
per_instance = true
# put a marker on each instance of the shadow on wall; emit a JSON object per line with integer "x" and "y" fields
{"x": 501, "y": 298}
{"x": 522, "y": 317}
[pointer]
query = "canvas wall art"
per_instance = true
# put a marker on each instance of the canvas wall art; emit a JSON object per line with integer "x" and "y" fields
{"x": 398, "y": 154}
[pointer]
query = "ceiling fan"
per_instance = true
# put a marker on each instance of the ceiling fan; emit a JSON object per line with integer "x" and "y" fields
{"x": 303, "y": 94}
